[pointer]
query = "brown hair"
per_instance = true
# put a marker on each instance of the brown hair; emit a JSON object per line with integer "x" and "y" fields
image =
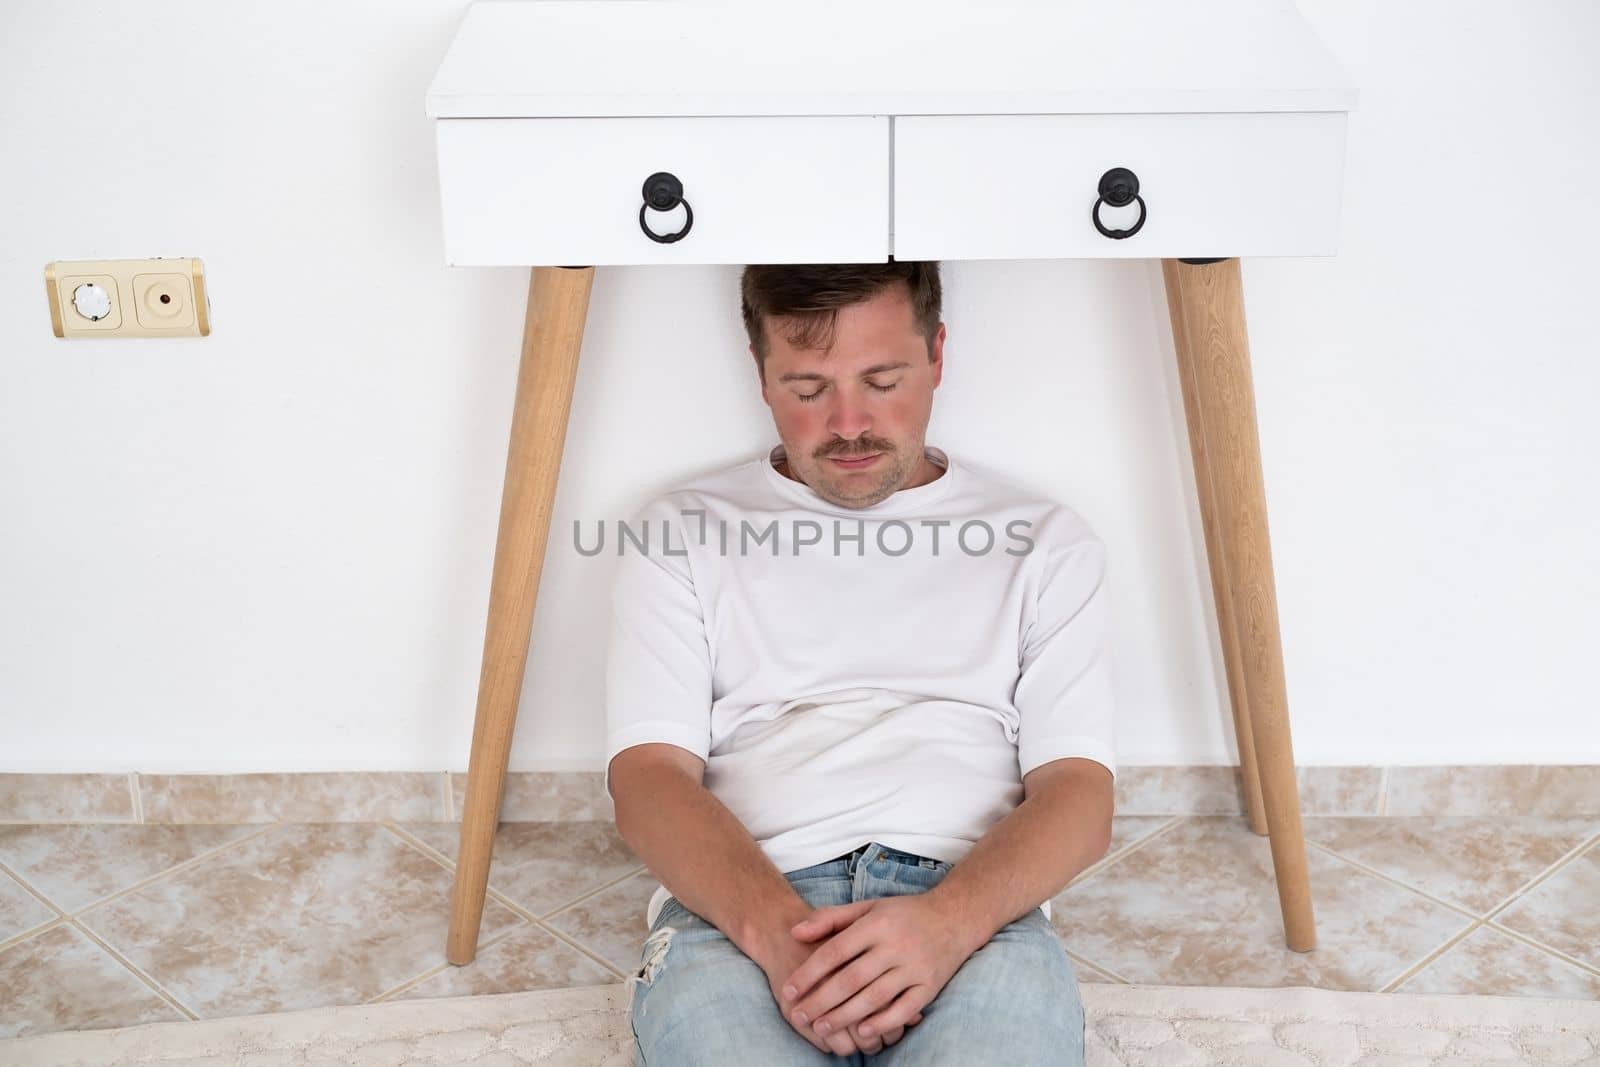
{"x": 806, "y": 297}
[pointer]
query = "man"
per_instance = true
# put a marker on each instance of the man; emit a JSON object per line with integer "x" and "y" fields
{"x": 859, "y": 715}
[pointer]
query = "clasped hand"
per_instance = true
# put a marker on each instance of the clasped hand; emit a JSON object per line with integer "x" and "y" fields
{"x": 878, "y": 964}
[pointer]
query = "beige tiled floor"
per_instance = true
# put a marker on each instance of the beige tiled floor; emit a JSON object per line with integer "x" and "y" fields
{"x": 109, "y": 925}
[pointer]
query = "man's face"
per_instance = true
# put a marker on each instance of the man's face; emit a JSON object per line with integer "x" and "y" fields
{"x": 871, "y": 393}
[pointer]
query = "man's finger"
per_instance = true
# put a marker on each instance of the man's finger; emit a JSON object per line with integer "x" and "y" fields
{"x": 822, "y": 1045}
{"x": 880, "y": 1001}
{"x": 827, "y": 958}
{"x": 826, "y": 920}
{"x": 868, "y": 1044}
{"x": 883, "y": 1021}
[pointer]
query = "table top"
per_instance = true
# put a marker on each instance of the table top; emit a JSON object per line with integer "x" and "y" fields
{"x": 599, "y": 58}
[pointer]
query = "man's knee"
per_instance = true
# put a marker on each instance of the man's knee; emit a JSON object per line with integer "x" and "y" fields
{"x": 698, "y": 999}
{"x": 1019, "y": 992}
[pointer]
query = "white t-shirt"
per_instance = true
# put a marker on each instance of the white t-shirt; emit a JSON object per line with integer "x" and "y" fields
{"x": 850, "y": 675}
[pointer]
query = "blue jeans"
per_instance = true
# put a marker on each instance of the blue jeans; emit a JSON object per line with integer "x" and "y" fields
{"x": 701, "y": 1000}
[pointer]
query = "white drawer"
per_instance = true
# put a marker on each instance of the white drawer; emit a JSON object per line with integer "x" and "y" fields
{"x": 1023, "y": 186}
{"x": 567, "y": 191}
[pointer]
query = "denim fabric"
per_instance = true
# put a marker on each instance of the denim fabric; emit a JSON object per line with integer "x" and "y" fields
{"x": 702, "y": 1001}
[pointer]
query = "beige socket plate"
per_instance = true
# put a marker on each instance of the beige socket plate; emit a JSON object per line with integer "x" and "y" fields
{"x": 128, "y": 298}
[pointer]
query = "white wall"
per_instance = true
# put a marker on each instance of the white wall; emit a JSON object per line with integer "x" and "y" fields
{"x": 270, "y": 549}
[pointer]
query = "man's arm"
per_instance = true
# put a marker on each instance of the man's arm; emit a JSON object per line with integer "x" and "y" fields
{"x": 707, "y": 859}
{"x": 1065, "y": 736}
{"x": 1061, "y": 827}
{"x": 699, "y": 849}
{"x": 659, "y": 693}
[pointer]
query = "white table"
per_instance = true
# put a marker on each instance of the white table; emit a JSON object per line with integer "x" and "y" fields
{"x": 576, "y": 133}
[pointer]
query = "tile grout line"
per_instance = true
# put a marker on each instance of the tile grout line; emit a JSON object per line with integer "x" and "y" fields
{"x": 72, "y": 916}
{"x": 421, "y": 845}
{"x": 1392, "y": 880}
{"x": 1477, "y": 921}
{"x": 529, "y": 924}
{"x": 1097, "y": 868}
{"x": 593, "y": 954}
{"x": 1532, "y": 942}
{"x": 33, "y": 931}
{"x": 449, "y": 798}
{"x": 440, "y": 968}
{"x": 177, "y": 868}
{"x": 1542, "y": 877}
{"x": 1429, "y": 958}
{"x": 39, "y": 893}
{"x": 1495, "y": 808}
{"x": 66, "y": 821}
{"x": 1106, "y": 862}
{"x": 65, "y": 918}
{"x": 533, "y": 920}
{"x": 138, "y": 972}
{"x": 1473, "y": 921}
{"x": 529, "y": 917}
{"x": 72, "y": 919}
{"x": 434, "y": 855}
{"x": 1485, "y": 916}
{"x": 596, "y": 891}
{"x": 527, "y": 914}
{"x": 1087, "y": 962}
{"x": 449, "y": 864}
{"x": 69, "y": 920}
{"x": 133, "y": 794}
{"x": 1484, "y": 919}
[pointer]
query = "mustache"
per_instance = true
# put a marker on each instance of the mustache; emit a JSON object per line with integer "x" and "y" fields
{"x": 858, "y": 450}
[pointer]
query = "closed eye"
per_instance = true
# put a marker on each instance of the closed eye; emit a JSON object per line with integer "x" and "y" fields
{"x": 804, "y": 397}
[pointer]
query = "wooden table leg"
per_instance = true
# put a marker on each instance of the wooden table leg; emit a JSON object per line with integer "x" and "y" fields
{"x": 1227, "y": 625}
{"x": 558, "y": 303}
{"x": 1206, "y": 301}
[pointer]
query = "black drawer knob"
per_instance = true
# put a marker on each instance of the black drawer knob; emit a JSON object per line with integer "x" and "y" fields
{"x": 663, "y": 192}
{"x": 1119, "y": 187}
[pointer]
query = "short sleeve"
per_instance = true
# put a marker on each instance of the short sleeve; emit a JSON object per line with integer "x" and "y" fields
{"x": 1064, "y": 691}
{"x": 658, "y": 659}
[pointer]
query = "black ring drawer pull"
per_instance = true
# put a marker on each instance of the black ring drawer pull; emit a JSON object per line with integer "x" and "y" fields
{"x": 663, "y": 191}
{"x": 1118, "y": 186}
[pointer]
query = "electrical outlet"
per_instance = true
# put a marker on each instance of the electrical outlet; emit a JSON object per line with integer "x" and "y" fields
{"x": 128, "y": 298}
